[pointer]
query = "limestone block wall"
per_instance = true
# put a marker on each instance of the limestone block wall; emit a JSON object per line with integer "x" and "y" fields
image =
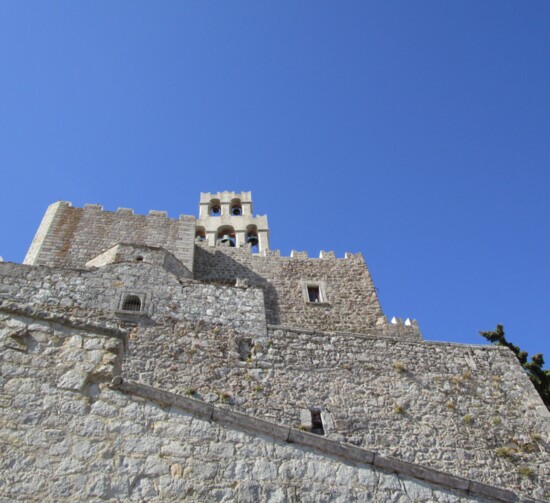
{"x": 466, "y": 410}
{"x": 69, "y": 237}
{"x": 123, "y": 252}
{"x": 97, "y": 293}
{"x": 350, "y": 300}
{"x": 67, "y": 436}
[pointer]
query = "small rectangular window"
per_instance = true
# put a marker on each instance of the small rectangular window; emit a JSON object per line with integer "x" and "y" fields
{"x": 245, "y": 349}
{"x": 314, "y": 294}
{"x": 317, "y": 422}
{"x": 131, "y": 303}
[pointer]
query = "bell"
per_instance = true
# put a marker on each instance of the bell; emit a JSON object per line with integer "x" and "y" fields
{"x": 226, "y": 238}
{"x": 252, "y": 239}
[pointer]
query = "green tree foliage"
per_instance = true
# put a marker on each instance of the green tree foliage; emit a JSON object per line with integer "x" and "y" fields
{"x": 539, "y": 377}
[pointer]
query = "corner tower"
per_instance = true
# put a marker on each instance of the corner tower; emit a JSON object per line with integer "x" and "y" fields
{"x": 226, "y": 219}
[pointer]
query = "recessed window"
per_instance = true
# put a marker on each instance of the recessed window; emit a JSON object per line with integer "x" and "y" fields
{"x": 131, "y": 303}
{"x": 245, "y": 349}
{"x": 317, "y": 422}
{"x": 313, "y": 294}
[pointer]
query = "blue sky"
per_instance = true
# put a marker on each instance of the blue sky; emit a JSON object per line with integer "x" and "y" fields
{"x": 415, "y": 132}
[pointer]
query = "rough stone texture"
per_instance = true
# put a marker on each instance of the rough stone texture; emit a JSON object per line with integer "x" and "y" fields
{"x": 445, "y": 406}
{"x": 93, "y": 443}
{"x": 351, "y": 301}
{"x": 69, "y": 237}
{"x": 100, "y": 291}
{"x": 136, "y": 253}
{"x": 236, "y": 331}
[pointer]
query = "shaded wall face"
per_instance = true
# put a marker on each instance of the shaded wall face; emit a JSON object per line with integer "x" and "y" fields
{"x": 68, "y": 437}
{"x": 69, "y": 237}
{"x": 347, "y": 300}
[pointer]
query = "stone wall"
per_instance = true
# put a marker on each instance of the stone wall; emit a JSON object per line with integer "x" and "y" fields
{"x": 466, "y": 410}
{"x": 69, "y": 237}
{"x": 77, "y": 237}
{"x": 67, "y": 436}
{"x": 351, "y": 303}
{"x": 96, "y": 293}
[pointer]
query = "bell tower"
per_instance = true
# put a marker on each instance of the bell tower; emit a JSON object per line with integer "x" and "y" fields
{"x": 226, "y": 219}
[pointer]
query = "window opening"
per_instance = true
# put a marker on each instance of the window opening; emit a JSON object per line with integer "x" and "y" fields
{"x": 131, "y": 303}
{"x": 317, "y": 422}
{"x": 245, "y": 349}
{"x": 139, "y": 258}
{"x": 313, "y": 293}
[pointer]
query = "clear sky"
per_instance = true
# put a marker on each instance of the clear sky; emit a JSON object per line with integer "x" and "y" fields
{"x": 417, "y": 133}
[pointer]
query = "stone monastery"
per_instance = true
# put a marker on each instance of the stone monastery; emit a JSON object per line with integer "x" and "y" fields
{"x": 153, "y": 359}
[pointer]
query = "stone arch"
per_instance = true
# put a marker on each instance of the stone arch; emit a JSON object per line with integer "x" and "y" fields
{"x": 226, "y": 235}
{"x": 215, "y": 208}
{"x": 252, "y": 237}
{"x": 236, "y": 208}
{"x": 200, "y": 233}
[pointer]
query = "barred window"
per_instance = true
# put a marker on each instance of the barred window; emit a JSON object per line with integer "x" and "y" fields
{"x": 131, "y": 303}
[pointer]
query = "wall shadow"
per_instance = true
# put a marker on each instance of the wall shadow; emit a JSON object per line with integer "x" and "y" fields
{"x": 218, "y": 267}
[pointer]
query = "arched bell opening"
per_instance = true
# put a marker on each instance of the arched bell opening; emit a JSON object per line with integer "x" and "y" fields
{"x": 252, "y": 238}
{"x": 236, "y": 208}
{"x": 215, "y": 208}
{"x": 200, "y": 233}
{"x": 226, "y": 236}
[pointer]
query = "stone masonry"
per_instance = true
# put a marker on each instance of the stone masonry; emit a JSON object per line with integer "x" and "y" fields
{"x": 139, "y": 364}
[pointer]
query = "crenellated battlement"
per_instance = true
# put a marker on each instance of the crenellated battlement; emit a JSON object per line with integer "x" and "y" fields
{"x": 69, "y": 236}
{"x": 128, "y": 211}
{"x": 298, "y": 255}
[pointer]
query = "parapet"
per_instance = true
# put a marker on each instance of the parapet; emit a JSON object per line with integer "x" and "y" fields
{"x": 225, "y": 196}
{"x": 323, "y": 255}
{"x": 70, "y": 237}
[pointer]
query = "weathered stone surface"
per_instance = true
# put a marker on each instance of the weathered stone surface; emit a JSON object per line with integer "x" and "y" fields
{"x": 203, "y": 393}
{"x": 69, "y": 237}
{"x": 177, "y": 456}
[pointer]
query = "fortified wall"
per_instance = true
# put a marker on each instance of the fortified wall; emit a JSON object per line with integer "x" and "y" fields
{"x": 135, "y": 369}
{"x": 69, "y": 237}
{"x": 347, "y": 299}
